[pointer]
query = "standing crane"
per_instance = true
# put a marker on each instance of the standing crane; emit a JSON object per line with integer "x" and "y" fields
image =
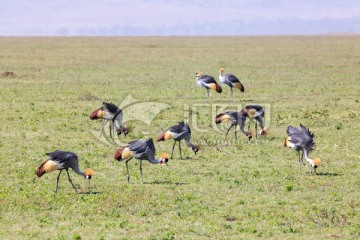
{"x": 251, "y": 111}
{"x": 141, "y": 150}
{"x": 60, "y": 160}
{"x": 208, "y": 82}
{"x": 301, "y": 139}
{"x": 110, "y": 112}
{"x": 231, "y": 80}
{"x": 178, "y": 132}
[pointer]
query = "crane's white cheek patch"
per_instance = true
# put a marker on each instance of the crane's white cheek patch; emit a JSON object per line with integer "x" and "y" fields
{"x": 291, "y": 145}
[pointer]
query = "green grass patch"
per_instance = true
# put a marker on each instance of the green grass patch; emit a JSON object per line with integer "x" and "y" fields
{"x": 229, "y": 190}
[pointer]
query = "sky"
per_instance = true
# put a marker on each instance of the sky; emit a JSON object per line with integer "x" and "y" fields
{"x": 178, "y": 18}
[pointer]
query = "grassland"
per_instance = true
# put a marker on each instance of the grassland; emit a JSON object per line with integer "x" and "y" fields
{"x": 239, "y": 190}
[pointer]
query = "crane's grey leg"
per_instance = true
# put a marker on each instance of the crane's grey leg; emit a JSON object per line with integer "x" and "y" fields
{"x": 111, "y": 126}
{"x": 173, "y": 150}
{"x": 104, "y": 121}
{"x": 249, "y": 124}
{"x": 300, "y": 163}
{"x": 67, "y": 171}
{"x": 256, "y": 132}
{"x": 235, "y": 132}
{"x": 57, "y": 181}
{"x": 208, "y": 94}
{"x": 228, "y": 131}
{"x": 127, "y": 170}
{"x": 142, "y": 182}
{"x": 180, "y": 149}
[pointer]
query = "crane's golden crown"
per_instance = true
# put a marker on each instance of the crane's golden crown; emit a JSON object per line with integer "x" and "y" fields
{"x": 251, "y": 133}
{"x": 198, "y": 146}
{"x": 89, "y": 172}
{"x": 221, "y": 70}
{"x": 317, "y": 161}
{"x": 199, "y": 73}
{"x": 265, "y": 132}
{"x": 164, "y": 156}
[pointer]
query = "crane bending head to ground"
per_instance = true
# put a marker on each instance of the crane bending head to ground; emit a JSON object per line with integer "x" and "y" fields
{"x": 60, "y": 160}
{"x": 141, "y": 150}
{"x": 110, "y": 112}
{"x": 301, "y": 139}
{"x": 178, "y": 132}
{"x": 239, "y": 118}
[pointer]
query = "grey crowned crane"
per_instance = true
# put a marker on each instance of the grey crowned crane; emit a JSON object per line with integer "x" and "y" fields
{"x": 60, "y": 160}
{"x": 301, "y": 139}
{"x": 141, "y": 150}
{"x": 231, "y": 80}
{"x": 177, "y": 133}
{"x": 233, "y": 117}
{"x": 207, "y": 82}
{"x": 239, "y": 118}
{"x": 110, "y": 112}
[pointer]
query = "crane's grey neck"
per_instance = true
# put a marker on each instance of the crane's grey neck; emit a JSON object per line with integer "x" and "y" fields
{"x": 189, "y": 144}
{"x": 193, "y": 147}
{"x": 77, "y": 170}
{"x": 306, "y": 154}
{"x": 152, "y": 159}
{"x": 119, "y": 120}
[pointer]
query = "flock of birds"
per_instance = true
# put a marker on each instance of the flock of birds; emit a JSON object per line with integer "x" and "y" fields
{"x": 299, "y": 139}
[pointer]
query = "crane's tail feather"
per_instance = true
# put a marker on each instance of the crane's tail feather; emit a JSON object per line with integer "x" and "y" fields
{"x": 161, "y": 137}
{"x": 242, "y": 89}
{"x": 218, "y": 88}
{"x": 219, "y": 117}
{"x": 41, "y": 170}
{"x": 118, "y": 154}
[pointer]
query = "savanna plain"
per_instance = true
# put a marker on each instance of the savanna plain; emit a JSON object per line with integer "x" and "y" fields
{"x": 231, "y": 189}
